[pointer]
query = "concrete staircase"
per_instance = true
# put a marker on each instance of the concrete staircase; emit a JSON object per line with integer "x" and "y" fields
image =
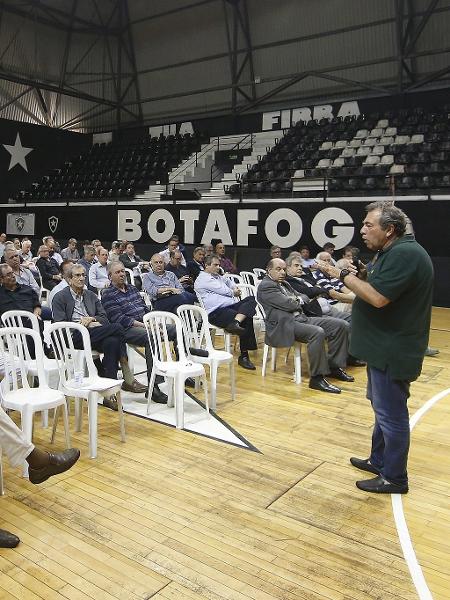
{"x": 195, "y": 171}
{"x": 262, "y": 143}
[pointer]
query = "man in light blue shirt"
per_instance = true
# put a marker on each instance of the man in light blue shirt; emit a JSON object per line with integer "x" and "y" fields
{"x": 218, "y": 295}
{"x": 163, "y": 287}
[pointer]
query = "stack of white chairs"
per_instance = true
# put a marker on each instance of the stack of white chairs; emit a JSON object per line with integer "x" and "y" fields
{"x": 249, "y": 278}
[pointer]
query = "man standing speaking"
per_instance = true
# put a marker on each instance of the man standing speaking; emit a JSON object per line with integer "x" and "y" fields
{"x": 390, "y": 327}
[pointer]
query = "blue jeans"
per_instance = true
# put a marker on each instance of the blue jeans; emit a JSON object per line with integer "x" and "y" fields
{"x": 391, "y": 435}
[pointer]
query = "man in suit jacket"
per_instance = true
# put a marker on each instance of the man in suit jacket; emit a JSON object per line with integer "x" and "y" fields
{"x": 76, "y": 304}
{"x": 286, "y": 323}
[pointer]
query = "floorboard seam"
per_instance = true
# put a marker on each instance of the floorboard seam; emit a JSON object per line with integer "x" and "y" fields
{"x": 160, "y": 590}
{"x": 293, "y": 485}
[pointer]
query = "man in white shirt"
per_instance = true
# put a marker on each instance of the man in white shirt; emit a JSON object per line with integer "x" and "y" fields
{"x": 218, "y": 296}
{"x": 23, "y": 276}
{"x": 98, "y": 273}
{"x": 2, "y": 243}
{"x": 172, "y": 244}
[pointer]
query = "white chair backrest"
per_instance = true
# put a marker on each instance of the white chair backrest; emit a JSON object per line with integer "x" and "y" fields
{"x": 247, "y": 290}
{"x": 156, "y": 323}
{"x": 18, "y": 318}
{"x": 70, "y": 359}
{"x": 195, "y": 326}
{"x": 259, "y": 272}
{"x": 130, "y": 275}
{"x": 14, "y": 349}
{"x": 249, "y": 277}
{"x": 235, "y": 278}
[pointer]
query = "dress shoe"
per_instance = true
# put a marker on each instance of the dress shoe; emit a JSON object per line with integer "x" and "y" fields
{"x": 190, "y": 382}
{"x": 135, "y": 387}
{"x": 246, "y": 363}
{"x": 8, "y": 540}
{"x": 355, "y": 362}
{"x": 341, "y": 375}
{"x": 235, "y": 329}
{"x": 431, "y": 351}
{"x": 320, "y": 383}
{"x": 157, "y": 395}
{"x": 364, "y": 464}
{"x": 380, "y": 485}
{"x": 111, "y": 403}
{"x": 57, "y": 463}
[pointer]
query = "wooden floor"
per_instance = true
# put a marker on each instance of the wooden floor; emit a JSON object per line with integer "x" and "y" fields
{"x": 172, "y": 515}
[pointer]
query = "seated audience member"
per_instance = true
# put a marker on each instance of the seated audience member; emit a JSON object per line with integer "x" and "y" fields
{"x": 23, "y": 275}
{"x": 71, "y": 252}
{"x": 115, "y": 252}
{"x": 132, "y": 261}
{"x": 179, "y": 271}
{"x": 15, "y": 296}
{"x": 50, "y": 242}
{"x": 305, "y": 255}
{"x": 87, "y": 261}
{"x": 197, "y": 264}
{"x": 25, "y": 251}
{"x": 352, "y": 255}
{"x": 163, "y": 287}
{"x": 41, "y": 464}
{"x": 48, "y": 268}
{"x": 8, "y": 246}
{"x": 286, "y": 323}
{"x": 124, "y": 305}
{"x": 172, "y": 244}
{"x": 17, "y": 245}
{"x": 225, "y": 263}
{"x": 79, "y": 305}
{"x": 209, "y": 249}
{"x": 340, "y": 296}
{"x": 275, "y": 252}
{"x": 65, "y": 269}
{"x": 330, "y": 248}
{"x": 98, "y": 272}
{"x": 218, "y": 295}
{"x": 2, "y": 243}
{"x": 96, "y": 244}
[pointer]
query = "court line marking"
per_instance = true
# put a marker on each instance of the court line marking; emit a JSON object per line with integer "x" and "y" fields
{"x": 414, "y": 567}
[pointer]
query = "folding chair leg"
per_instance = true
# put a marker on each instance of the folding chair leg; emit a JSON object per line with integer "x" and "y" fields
{"x": 2, "y": 489}
{"x": 274, "y": 359}
{"x": 93, "y": 424}
{"x": 66, "y": 424}
{"x": 297, "y": 365}
{"x": 233, "y": 380}
{"x": 151, "y": 385}
{"x": 205, "y": 389}
{"x": 213, "y": 375}
{"x": 179, "y": 401}
{"x": 55, "y": 423}
{"x": 78, "y": 413}
{"x": 265, "y": 357}
{"x": 44, "y": 416}
{"x": 27, "y": 428}
{"x": 121, "y": 417}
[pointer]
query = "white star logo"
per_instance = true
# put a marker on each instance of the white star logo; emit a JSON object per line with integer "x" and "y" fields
{"x": 18, "y": 153}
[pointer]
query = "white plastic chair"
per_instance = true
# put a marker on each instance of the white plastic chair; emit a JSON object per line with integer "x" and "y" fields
{"x": 249, "y": 278}
{"x": 16, "y": 391}
{"x": 16, "y": 318}
{"x": 73, "y": 382}
{"x": 259, "y": 272}
{"x": 235, "y": 278}
{"x": 249, "y": 291}
{"x": 2, "y": 488}
{"x": 197, "y": 335}
{"x": 217, "y": 330}
{"x": 175, "y": 371}
{"x": 130, "y": 276}
{"x": 297, "y": 357}
{"x": 43, "y": 293}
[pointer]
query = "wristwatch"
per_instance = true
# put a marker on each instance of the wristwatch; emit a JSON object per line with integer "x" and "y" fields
{"x": 343, "y": 274}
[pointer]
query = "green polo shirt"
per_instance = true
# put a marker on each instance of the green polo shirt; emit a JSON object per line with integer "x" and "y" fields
{"x": 395, "y": 337}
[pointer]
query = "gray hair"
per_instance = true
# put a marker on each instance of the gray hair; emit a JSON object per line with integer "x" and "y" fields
{"x": 210, "y": 258}
{"x": 292, "y": 256}
{"x": 70, "y": 270}
{"x": 389, "y": 215}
